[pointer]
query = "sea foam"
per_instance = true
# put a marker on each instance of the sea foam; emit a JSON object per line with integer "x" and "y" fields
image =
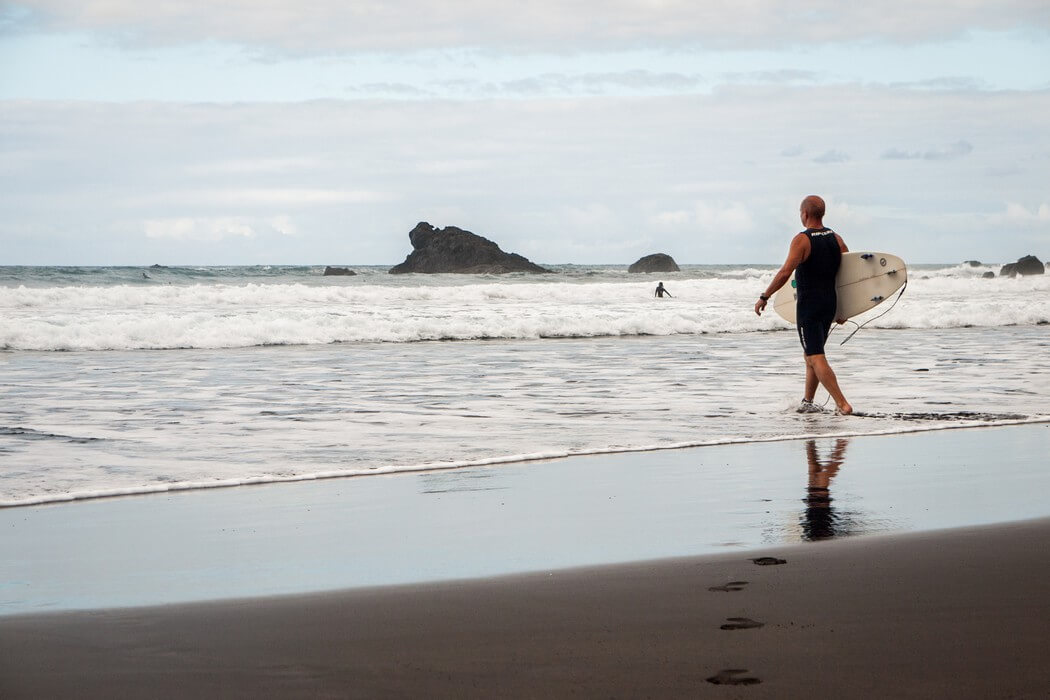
{"x": 224, "y": 315}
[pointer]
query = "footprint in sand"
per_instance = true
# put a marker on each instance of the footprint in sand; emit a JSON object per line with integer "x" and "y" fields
{"x": 741, "y": 623}
{"x": 730, "y": 587}
{"x": 769, "y": 561}
{"x": 731, "y": 676}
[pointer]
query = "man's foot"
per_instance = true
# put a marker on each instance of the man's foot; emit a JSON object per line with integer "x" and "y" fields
{"x": 844, "y": 408}
{"x": 808, "y": 406}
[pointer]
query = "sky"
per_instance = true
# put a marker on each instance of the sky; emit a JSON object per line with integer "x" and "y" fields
{"x": 568, "y": 131}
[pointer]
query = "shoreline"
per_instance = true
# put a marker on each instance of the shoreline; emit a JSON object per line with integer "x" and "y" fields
{"x": 481, "y": 522}
{"x": 956, "y": 613}
{"x": 510, "y": 460}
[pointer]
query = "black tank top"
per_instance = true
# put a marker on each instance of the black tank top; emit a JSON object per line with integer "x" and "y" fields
{"x": 817, "y": 272}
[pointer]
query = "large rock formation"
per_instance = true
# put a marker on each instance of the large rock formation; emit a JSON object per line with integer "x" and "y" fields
{"x": 330, "y": 271}
{"x": 1028, "y": 265}
{"x": 452, "y": 249}
{"x": 657, "y": 262}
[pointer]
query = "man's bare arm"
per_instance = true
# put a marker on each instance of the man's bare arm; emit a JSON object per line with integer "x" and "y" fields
{"x": 797, "y": 253}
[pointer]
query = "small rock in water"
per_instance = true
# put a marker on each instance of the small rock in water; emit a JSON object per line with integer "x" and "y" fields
{"x": 330, "y": 271}
{"x": 1028, "y": 265}
{"x": 657, "y": 262}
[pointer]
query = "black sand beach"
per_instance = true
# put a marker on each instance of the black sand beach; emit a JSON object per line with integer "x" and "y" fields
{"x": 959, "y": 612}
{"x": 953, "y": 614}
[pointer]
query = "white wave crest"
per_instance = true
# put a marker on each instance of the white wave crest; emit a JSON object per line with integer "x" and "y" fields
{"x": 125, "y": 317}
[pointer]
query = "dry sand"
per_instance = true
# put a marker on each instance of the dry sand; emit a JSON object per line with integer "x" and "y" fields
{"x": 951, "y": 614}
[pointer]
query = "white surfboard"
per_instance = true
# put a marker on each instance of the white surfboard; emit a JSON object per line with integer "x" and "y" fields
{"x": 864, "y": 281}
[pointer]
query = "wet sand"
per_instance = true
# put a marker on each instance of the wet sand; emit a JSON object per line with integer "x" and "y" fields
{"x": 962, "y": 613}
{"x": 925, "y": 609}
{"x": 492, "y": 521}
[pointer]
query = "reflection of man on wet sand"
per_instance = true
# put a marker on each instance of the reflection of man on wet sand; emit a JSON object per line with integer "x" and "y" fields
{"x": 819, "y": 520}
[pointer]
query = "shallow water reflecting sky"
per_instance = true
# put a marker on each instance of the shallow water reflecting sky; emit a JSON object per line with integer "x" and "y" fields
{"x": 485, "y": 521}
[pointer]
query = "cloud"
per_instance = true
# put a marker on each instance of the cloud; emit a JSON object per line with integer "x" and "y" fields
{"x": 848, "y": 216}
{"x": 832, "y": 156}
{"x": 949, "y": 152}
{"x": 353, "y": 176}
{"x": 637, "y": 81}
{"x": 400, "y": 90}
{"x": 547, "y": 25}
{"x": 453, "y": 166}
{"x": 251, "y": 166}
{"x": 262, "y": 197}
{"x": 778, "y": 77}
{"x": 284, "y": 226}
{"x": 708, "y": 216}
{"x": 1019, "y": 214}
{"x": 597, "y": 83}
{"x": 723, "y": 187}
{"x": 594, "y": 216}
{"x": 190, "y": 229}
{"x": 672, "y": 219}
{"x": 1003, "y": 170}
{"x": 898, "y": 154}
{"x": 217, "y": 228}
{"x": 944, "y": 83}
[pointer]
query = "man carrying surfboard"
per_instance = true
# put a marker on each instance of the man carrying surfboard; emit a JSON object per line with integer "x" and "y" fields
{"x": 814, "y": 258}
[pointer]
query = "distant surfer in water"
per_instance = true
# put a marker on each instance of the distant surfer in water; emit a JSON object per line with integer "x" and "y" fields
{"x": 814, "y": 257}
{"x": 660, "y": 291}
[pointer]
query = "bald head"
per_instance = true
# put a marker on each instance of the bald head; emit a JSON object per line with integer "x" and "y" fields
{"x": 813, "y": 206}
{"x": 812, "y": 211}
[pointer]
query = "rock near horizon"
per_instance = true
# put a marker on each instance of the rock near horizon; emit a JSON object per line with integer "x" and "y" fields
{"x": 330, "y": 271}
{"x": 454, "y": 250}
{"x": 1028, "y": 265}
{"x": 657, "y": 262}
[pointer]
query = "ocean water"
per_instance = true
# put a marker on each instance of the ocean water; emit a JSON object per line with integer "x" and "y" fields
{"x": 135, "y": 380}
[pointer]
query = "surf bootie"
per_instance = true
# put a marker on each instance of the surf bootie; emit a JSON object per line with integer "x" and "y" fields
{"x": 808, "y": 406}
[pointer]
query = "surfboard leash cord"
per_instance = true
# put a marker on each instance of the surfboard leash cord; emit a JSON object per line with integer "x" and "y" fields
{"x": 855, "y": 330}
{"x": 859, "y": 326}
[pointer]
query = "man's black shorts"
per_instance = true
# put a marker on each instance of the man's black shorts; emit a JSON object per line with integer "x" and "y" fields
{"x": 814, "y": 315}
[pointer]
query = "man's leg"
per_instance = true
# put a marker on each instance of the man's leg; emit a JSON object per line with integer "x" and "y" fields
{"x": 818, "y": 365}
{"x": 811, "y": 382}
